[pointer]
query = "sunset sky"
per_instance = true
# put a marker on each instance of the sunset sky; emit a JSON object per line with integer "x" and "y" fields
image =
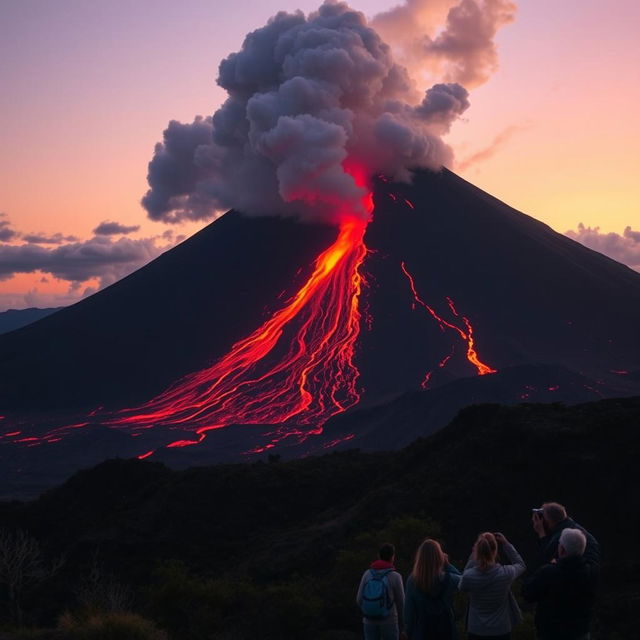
{"x": 88, "y": 88}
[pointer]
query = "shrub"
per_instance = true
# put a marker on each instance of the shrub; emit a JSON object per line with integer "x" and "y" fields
{"x": 110, "y": 626}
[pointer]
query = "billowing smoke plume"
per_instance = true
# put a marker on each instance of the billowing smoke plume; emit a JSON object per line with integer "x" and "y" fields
{"x": 309, "y": 99}
{"x": 462, "y": 51}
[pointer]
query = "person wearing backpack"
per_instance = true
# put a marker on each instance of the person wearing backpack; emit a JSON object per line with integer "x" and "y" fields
{"x": 428, "y": 610}
{"x": 493, "y": 610}
{"x": 381, "y": 597}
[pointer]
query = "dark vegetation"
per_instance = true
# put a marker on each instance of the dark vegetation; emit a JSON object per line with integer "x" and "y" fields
{"x": 276, "y": 549}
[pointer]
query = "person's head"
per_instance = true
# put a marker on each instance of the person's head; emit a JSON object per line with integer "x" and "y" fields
{"x": 553, "y": 513}
{"x": 572, "y": 543}
{"x": 428, "y": 565}
{"x": 485, "y": 551}
{"x": 387, "y": 552}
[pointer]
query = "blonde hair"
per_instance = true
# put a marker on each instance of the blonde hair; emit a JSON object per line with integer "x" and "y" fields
{"x": 485, "y": 551}
{"x": 428, "y": 565}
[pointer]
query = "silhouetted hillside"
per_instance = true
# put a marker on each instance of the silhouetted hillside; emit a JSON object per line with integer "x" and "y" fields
{"x": 240, "y": 533}
{"x": 16, "y": 318}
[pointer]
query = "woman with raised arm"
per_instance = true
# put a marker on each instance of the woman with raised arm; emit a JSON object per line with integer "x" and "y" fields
{"x": 493, "y": 610}
{"x": 428, "y": 614}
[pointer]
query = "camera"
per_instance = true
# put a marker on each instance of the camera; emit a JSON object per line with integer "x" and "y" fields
{"x": 538, "y": 512}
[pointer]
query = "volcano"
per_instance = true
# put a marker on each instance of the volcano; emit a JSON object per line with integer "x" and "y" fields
{"x": 260, "y": 333}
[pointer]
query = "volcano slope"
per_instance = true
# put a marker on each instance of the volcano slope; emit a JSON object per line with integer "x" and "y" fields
{"x": 458, "y": 286}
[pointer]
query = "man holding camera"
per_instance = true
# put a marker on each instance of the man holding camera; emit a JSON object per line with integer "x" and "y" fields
{"x": 549, "y": 522}
{"x": 564, "y": 591}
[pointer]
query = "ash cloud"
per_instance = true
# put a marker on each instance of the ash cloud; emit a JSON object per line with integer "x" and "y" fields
{"x": 306, "y": 96}
{"x": 107, "y": 228}
{"x": 462, "y": 51}
{"x": 624, "y": 248}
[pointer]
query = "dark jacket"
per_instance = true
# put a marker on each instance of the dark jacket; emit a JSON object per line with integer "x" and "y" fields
{"x": 548, "y": 546}
{"x": 415, "y": 604}
{"x": 565, "y": 594}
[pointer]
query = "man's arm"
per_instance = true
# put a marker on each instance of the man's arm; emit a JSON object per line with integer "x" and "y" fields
{"x": 537, "y": 586}
{"x": 517, "y": 566}
{"x": 359, "y": 594}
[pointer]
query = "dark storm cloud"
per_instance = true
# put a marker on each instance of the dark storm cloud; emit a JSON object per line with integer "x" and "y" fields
{"x": 624, "y": 248}
{"x": 6, "y": 232}
{"x": 98, "y": 257}
{"x": 304, "y": 95}
{"x": 114, "y": 228}
{"x": 43, "y": 238}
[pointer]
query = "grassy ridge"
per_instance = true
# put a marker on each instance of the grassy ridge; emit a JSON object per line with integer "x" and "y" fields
{"x": 219, "y": 552}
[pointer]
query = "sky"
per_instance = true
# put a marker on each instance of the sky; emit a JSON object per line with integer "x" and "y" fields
{"x": 89, "y": 87}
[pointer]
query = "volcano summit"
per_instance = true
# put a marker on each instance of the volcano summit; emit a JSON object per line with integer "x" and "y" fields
{"x": 253, "y": 334}
{"x": 354, "y": 294}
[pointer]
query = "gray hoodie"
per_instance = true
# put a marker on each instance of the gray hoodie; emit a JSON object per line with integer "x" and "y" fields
{"x": 490, "y": 608}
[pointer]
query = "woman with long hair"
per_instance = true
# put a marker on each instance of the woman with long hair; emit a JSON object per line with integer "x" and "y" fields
{"x": 428, "y": 612}
{"x": 493, "y": 610}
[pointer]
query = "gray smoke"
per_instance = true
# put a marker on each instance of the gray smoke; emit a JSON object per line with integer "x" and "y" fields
{"x": 307, "y": 97}
{"x": 462, "y": 50}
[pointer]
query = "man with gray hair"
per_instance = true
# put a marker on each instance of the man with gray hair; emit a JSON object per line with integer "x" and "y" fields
{"x": 549, "y": 522}
{"x": 564, "y": 590}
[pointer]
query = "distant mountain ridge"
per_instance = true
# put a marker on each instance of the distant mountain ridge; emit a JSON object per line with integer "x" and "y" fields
{"x": 13, "y": 319}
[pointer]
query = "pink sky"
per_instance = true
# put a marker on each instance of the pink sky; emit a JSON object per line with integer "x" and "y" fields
{"x": 89, "y": 87}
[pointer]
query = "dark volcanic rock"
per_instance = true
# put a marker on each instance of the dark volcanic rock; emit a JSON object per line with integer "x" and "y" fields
{"x": 532, "y": 295}
{"x": 558, "y": 321}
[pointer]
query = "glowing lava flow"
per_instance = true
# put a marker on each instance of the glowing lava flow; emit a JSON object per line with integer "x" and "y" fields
{"x": 297, "y": 368}
{"x": 466, "y": 334}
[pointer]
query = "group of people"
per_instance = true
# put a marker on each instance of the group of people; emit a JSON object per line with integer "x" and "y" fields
{"x": 563, "y": 586}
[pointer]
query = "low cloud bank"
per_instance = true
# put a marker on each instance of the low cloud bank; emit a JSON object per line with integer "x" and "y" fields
{"x": 624, "y": 248}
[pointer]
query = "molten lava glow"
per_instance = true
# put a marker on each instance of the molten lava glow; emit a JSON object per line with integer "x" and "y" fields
{"x": 465, "y": 333}
{"x": 292, "y": 373}
{"x": 297, "y": 368}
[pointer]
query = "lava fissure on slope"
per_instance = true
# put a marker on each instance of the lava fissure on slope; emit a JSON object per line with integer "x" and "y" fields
{"x": 314, "y": 378}
{"x": 465, "y": 334}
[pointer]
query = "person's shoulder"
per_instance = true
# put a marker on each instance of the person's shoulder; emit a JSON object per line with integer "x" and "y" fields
{"x": 547, "y": 571}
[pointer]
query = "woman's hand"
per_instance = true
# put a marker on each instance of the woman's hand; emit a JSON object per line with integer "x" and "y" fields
{"x": 500, "y": 538}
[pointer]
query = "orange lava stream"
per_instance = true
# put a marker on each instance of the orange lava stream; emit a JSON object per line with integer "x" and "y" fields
{"x": 466, "y": 335}
{"x": 305, "y": 378}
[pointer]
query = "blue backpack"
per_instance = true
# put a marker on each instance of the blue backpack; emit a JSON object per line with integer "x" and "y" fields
{"x": 376, "y": 601}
